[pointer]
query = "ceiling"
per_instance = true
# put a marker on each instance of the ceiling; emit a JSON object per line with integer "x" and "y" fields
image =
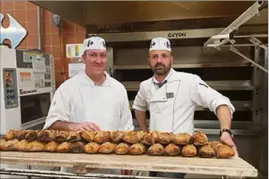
{"x": 87, "y": 13}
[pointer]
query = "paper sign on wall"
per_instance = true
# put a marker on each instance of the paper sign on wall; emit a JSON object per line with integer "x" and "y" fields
{"x": 75, "y": 68}
{"x": 74, "y": 50}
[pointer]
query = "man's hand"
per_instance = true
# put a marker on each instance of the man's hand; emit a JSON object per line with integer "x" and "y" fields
{"x": 84, "y": 126}
{"x": 227, "y": 139}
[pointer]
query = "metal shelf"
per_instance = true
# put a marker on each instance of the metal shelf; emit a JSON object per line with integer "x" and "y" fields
{"x": 218, "y": 85}
{"x": 239, "y": 132}
{"x": 212, "y": 127}
{"x": 212, "y": 124}
{"x": 196, "y": 65}
{"x": 239, "y": 106}
{"x": 58, "y": 174}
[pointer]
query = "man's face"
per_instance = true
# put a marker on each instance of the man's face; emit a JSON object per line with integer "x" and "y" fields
{"x": 160, "y": 61}
{"x": 95, "y": 61}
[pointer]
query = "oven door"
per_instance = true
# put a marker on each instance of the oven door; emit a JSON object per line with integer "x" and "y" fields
{"x": 34, "y": 109}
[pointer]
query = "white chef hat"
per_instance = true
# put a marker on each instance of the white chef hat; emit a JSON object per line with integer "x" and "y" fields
{"x": 160, "y": 43}
{"x": 94, "y": 43}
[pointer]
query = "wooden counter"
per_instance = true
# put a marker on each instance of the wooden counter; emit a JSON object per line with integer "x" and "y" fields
{"x": 229, "y": 167}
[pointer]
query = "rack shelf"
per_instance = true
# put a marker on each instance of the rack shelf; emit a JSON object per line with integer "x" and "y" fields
{"x": 196, "y": 65}
{"x": 218, "y": 85}
{"x": 239, "y": 106}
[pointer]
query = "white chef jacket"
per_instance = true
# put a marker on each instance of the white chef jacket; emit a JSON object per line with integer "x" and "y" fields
{"x": 79, "y": 100}
{"x": 172, "y": 105}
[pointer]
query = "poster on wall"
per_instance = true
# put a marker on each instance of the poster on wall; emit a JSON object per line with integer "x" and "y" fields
{"x": 75, "y": 68}
{"x": 74, "y": 50}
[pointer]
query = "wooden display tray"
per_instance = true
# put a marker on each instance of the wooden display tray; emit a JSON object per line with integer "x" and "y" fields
{"x": 236, "y": 166}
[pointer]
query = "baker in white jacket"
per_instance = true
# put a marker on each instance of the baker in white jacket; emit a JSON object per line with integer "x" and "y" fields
{"x": 92, "y": 99}
{"x": 171, "y": 97}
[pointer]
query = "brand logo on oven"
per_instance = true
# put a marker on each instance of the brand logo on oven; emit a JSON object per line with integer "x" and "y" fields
{"x": 27, "y": 91}
{"x": 177, "y": 34}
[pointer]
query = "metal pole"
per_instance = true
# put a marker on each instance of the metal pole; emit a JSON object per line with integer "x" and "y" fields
{"x": 266, "y": 58}
{"x": 247, "y": 58}
{"x": 265, "y": 95}
{"x": 47, "y": 174}
{"x": 253, "y": 35}
{"x": 248, "y": 14}
{"x": 257, "y": 42}
{"x": 256, "y": 80}
{"x": 236, "y": 45}
{"x": 38, "y": 12}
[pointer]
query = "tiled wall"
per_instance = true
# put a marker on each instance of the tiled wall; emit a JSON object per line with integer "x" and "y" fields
{"x": 53, "y": 40}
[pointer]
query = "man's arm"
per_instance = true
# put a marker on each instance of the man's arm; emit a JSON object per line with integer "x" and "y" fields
{"x": 61, "y": 126}
{"x": 141, "y": 119}
{"x": 224, "y": 116}
{"x": 58, "y": 117}
{"x": 126, "y": 115}
{"x": 59, "y": 111}
{"x": 74, "y": 126}
{"x": 140, "y": 107}
{"x": 205, "y": 96}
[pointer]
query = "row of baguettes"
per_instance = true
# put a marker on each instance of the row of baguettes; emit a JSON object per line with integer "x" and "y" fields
{"x": 210, "y": 150}
{"x": 198, "y": 138}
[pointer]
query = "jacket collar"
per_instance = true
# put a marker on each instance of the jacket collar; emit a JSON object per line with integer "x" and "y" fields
{"x": 172, "y": 76}
{"x": 88, "y": 80}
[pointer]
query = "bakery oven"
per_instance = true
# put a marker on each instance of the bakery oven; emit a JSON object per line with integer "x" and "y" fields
{"x": 27, "y": 87}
